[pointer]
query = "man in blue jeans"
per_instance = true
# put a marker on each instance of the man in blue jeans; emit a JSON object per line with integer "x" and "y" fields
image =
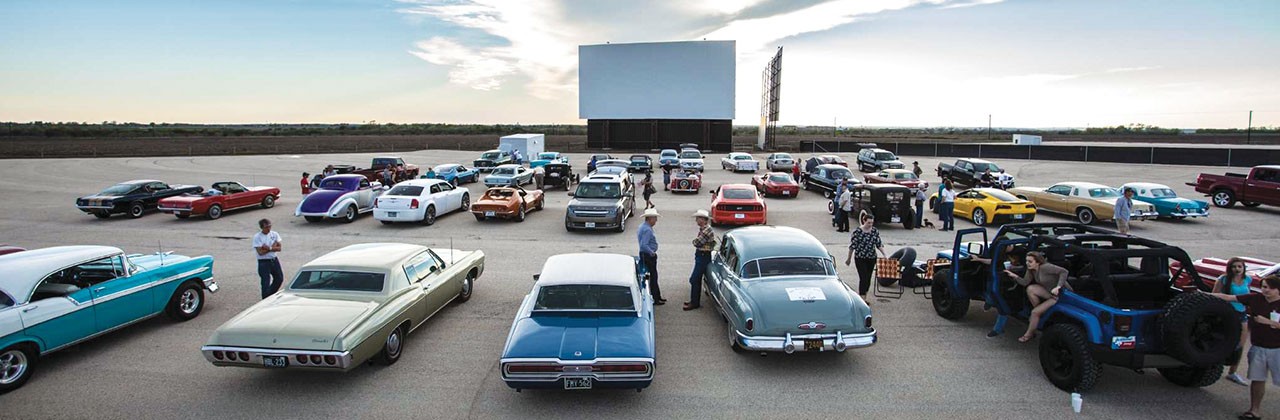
{"x": 703, "y": 244}
{"x": 649, "y": 253}
{"x": 266, "y": 243}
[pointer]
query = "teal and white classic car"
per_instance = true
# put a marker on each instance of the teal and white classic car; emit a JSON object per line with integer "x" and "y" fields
{"x": 55, "y": 297}
{"x": 778, "y": 290}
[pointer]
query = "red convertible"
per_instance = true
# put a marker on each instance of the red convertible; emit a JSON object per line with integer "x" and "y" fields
{"x": 217, "y": 200}
{"x": 737, "y": 204}
{"x": 776, "y": 184}
{"x": 1211, "y": 268}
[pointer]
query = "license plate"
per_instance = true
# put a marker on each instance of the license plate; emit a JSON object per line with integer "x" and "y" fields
{"x": 739, "y": 216}
{"x": 812, "y": 345}
{"x": 1017, "y": 216}
{"x": 555, "y": 175}
{"x": 577, "y": 383}
{"x": 590, "y": 224}
{"x": 786, "y": 193}
{"x": 391, "y": 214}
{"x": 490, "y": 213}
{"x": 895, "y": 219}
{"x": 275, "y": 361}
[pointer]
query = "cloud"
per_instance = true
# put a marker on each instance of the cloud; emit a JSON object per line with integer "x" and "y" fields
{"x": 473, "y": 68}
{"x": 1130, "y": 69}
{"x": 970, "y": 4}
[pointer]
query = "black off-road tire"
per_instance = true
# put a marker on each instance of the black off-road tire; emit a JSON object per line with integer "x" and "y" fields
{"x": 1065, "y": 359}
{"x": 1191, "y": 377}
{"x": 944, "y": 304}
{"x": 1199, "y": 330}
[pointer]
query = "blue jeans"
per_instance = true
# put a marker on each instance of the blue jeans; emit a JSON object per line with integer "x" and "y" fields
{"x": 945, "y": 210}
{"x": 272, "y": 276}
{"x": 700, "y": 262}
{"x": 919, "y": 214}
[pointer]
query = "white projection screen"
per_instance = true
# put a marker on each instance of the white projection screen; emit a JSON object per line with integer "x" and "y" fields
{"x": 664, "y": 80}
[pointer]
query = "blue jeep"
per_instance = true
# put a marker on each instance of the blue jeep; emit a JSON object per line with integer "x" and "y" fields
{"x": 1123, "y": 310}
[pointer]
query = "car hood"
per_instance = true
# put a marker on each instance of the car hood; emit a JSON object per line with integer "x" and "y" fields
{"x": 320, "y": 201}
{"x": 579, "y": 337}
{"x": 153, "y": 261}
{"x": 777, "y": 306}
{"x": 691, "y": 160}
{"x": 290, "y": 321}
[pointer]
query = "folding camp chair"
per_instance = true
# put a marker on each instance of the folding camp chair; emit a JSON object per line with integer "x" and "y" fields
{"x": 888, "y": 269}
{"x": 926, "y": 288}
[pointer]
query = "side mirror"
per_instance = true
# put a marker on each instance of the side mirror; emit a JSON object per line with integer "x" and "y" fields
{"x": 537, "y": 276}
{"x": 974, "y": 248}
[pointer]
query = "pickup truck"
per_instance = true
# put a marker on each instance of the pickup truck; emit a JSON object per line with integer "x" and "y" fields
{"x": 1260, "y": 186}
{"x": 374, "y": 172}
{"x": 969, "y": 172}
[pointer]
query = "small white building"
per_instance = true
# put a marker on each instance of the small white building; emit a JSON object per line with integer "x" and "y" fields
{"x": 529, "y": 145}
{"x": 1026, "y": 140}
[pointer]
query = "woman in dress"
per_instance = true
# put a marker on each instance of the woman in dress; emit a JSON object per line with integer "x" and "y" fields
{"x": 863, "y": 244}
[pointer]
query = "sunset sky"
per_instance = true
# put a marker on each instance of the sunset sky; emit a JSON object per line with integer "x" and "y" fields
{"x": 1029, "y": 63}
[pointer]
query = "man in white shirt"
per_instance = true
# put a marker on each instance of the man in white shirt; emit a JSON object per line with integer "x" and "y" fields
{"x": 947, "y": 204}
{"x": 266, "y": 243}
{"x": 846, "y": 209}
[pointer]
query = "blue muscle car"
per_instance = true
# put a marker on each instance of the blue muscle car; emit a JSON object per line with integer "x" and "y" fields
{"x": 56, "y": 297}
{"x": 455, "y": 174}
{"x": 778, "y": 289}
{"x": 340, "y": 197}
{"x": 548, "y": 157}
{"x": 1167, "y": 202}
{"x": 587, "y": 323}
{"x": 132, "y": 197}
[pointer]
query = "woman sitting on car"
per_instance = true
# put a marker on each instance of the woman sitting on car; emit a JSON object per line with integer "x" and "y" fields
{"x": 1044, "y": 282}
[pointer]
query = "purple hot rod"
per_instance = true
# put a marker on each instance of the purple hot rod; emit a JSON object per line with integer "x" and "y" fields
{"x": 340, "y": 197}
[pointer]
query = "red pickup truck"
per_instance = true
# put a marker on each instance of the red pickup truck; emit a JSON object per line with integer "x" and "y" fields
{"x": 1260, "y": 186}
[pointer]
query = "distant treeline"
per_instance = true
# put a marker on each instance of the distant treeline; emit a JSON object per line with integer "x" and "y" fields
{"x": 111, "y": 129}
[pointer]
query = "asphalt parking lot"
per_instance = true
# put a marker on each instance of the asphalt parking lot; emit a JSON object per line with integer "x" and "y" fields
{"x": 923, "y": 366}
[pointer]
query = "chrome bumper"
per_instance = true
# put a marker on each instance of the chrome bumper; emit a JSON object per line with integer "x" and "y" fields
{"x": 1185, "y": 213}
{"x": 211, "y": 285}
{"x": 95, "y": 207}
{"x": 254, "y": 360}
{"x": 792, "y": 343}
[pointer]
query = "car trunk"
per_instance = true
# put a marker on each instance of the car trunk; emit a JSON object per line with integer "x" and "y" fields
{"x": 579, "y": 336}
{"x": 780, "y": 305}
{"x": 292, "y": 322}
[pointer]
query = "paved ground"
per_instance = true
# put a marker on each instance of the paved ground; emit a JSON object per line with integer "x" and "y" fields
{"x": 923, "y": 367}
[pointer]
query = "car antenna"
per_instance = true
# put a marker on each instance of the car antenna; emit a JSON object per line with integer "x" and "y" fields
{"x": 160, "y": 250}
{"x": 450, "y": 250}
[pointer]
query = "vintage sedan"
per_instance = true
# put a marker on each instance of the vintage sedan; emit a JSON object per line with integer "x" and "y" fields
{"x": 548, "y": 157}
{"x": 53, "y": 298}
{"x": 826, "y": 178}
{"x": 131, "y": 197}
{"x": 221, "y": 197}
{"x": 685, "y": 180}
{"x": 1086, "y": 201}
{"x": 420, "y": 200}
{"x": 738, "y": 204}
{"x": 780, "y": 162}
{"x": 988, "y": 206}
{"x": 340, "y": 197}
{"x": 776, "y": 184}
{"x": 640, "y": 163}
{"x": 491, "y": 159}
{"x": 587, "y": 323}
{"x": 739, "y": 162}
{"x": 508, "y": 175}
{"x": 456, "y": 174}
{"x": 1167, "y": 202}
{"x": 778, "y": 289}
{"x": 347, "y": 307}
{"x": 901, "y": 177}
{"x": 507, "y": 203}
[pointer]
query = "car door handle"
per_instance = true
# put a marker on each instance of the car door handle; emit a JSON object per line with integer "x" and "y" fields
{"x": 31, "y": 308}
{"x": 99, "y": 289}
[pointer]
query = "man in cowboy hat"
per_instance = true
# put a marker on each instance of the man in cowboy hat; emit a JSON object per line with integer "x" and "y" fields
{"x": 649, "y": 253}
{"x": 703, "y": 244}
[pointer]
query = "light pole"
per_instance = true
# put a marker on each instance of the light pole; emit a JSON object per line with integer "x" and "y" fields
{"x": 1248, "y": 133}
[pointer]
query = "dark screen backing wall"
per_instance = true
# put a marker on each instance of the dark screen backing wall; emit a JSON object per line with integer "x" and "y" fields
{"x": 713, "y": 135}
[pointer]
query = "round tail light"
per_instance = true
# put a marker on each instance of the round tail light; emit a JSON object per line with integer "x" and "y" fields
{"x": 231, "y": 356}
{"x": 330, "y": 360}
{"x": 217, "y": 354}
{"x": 302, "y": 359}
{"x": 315, "y": 359}
{"x": 244, "y": 356}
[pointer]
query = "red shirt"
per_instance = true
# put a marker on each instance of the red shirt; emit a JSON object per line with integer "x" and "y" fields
{"x": 306, "y": 186}
{"x": 1255, "y": 304}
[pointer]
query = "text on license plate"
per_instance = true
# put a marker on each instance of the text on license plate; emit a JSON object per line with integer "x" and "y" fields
{"x": 490, "y": 213}
{"x": 577, "y": 383}
{"x": 739, "y": 216}
{"x": 786, "y": 193}
{"x": 391, "y": 214}
{"x": 590, "y": 224}
{"x": 895, "y": 219}
{"x": 1017, "y": 216}
{"x": 275, "y": 361}
{"x": 812, "y": 345}
{"x": 555, "y": 175}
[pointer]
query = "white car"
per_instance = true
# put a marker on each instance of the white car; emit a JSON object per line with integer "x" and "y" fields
{"x": 691, "y": 159}
{"x": 508, "y": 175}
{"x": 780, "y": 162}
{"x": 420, "y": 200}
{"x": 738, "y": 161}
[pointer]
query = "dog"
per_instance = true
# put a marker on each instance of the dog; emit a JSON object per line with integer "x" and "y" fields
{"x": 927, "y": 223}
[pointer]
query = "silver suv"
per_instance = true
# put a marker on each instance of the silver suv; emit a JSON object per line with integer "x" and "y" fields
{"x": 602, "y": 201}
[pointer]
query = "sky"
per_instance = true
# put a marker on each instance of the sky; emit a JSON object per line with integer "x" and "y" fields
{"x": 877, "y": 63}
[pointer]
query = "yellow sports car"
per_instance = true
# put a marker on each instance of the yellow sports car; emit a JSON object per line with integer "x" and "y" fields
{"x": 990, "y": 206}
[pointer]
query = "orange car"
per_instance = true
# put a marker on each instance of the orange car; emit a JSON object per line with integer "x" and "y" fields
{"x": 506, "y": 203}
{"x": 738, "y": 204}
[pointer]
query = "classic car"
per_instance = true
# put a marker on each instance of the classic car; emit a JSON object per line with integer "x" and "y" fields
{"x": 587, "y": 323}
{"x": 507, "y": 203}
{"x": 969, "y": 171}
{"x": 825, "y": 178}
{"x": 685, "y": 180}
{"x": 548, "y": 157}
{"x": 833, "y": 160}
{"x": 691, "y": 159}
{"x": 887, "y": 203}
{"x": 872, "y": 159}
{"x": 492, "y": 159}
{"x": 737, "y": 161}
{"x": 779, "y": 291}
{"x": 1167, "y": 202}
{"x": 559, "y": 174}
{"x": 986, "y": 206}
{"x": 420, "y": 200}
{"x": 1210, "y": 269}
{"x": 221, "y": 197}
{"x": 53, "y": 298}
{"x": 456, "y": 174}
{"x": 131, "y": 197}
{"x": 1260, "y": 186}
{"x": 347, "y": 307}
{"x": 901, "y": 177}
{"x": 340, "y": 197}
{"x": 640, "y": 163}
{"x": 1085, "y": 200}
{"x": 779, "y": 162}
{"x": 669, "y": 158}
{"x": 776, "y": 184}
{"x": 510, "y": 174}
{"x": 601, "y": 202}
{"x": 738, "y": 204}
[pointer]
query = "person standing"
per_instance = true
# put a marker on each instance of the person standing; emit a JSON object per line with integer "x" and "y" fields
{"x": 539, "y": 174}
{"x": 266, "y": 243}
{"x": 916, "y": 168}
{"x": 863, "y": 244}
{"x": 1236, "y": 282}
{"x": 1264, "y": 340}
{"x": 649, "y": 253}
{"x": 666, "y": 178}
{"x": 920, "y": 197}
{"x": 1124, "y": 210}
{"x": 647, "y": 189}
{"x": 844, "y": 208}
{"x": 386, "y": 175}
{"x": 836, "y": 212}
{"x": 306, "y": 183}
{"x": 591, "y": 166}
{"x": 703, "y": 244}
{"x": 515, "y": 155}
{"x": 946, "y": 206}
{"x": 431, "y": 173}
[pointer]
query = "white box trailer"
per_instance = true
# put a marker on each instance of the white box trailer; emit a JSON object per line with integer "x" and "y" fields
{"x": 529, "y": 145}
{"x": 1026, "y": 140}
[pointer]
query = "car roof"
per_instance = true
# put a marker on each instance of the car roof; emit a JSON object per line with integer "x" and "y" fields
{"x": 878, "y": 150}
{"x": 378, "y": 256}
{"x": 588, "y": 268}
{"x": 420, "y": 182}
{"x": 356, "y": 177}
{"x": 1147, "y": 185}
{"x": 755, "y": 242}
{"x": 832, "y": 166}
{"x": 508, "y": 165}
{"x": 1085, "y": 185}
{"x": 21, "y": 271}
{"x": 603, "y": 177}
{"x": 664, "y": 151}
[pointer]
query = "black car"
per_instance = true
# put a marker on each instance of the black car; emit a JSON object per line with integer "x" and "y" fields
{"x": 640, "y": 163}
{"x": 131, "y": 197}
{"x": 558, "y": 174}
{"x": 825, "y": 177}
{"x": 887, "y": 203}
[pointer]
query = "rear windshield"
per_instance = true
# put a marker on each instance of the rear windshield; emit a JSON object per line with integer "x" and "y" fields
{"x": 504, "y": 171}
{"x": 598, "y": 190}
{"x": 1103, "y": 192}
{"x": 840, "y": 173}
{"x": 742, "y": 157}
{"x": 782, "y": 156}
{"x": 547, "y": 156}
{"x": 788, "y": 266}
{"x": 668, "y": 153}
{"x": 1001, "y": 195}
{"x": 690, "y": 155}
{"x": 338, "y": 280}
{"x": 339, "y": 183}
{"x": 409, "y": 190}
{"x": 904, "y": 176}
{"x": 118, "y": 189}
{"x": 489, "y": 155}
{"x": 740, "y": 194}
{"x": 1163, "y": 193}
{"x": 639, "y": 158}
{"x": 780, "y": 178}
{"x": 385, "y": 162}
{"x": 584, "y": 297}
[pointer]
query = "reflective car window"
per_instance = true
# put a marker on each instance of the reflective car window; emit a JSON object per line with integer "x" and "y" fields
{"x": 409, "y": 190}
{"x": 886, "y": 156}
{"x": 1002, "y": 196}
{"x": 435, "y": 188}
{"x": 337, "y": 184}
{"x": 338, "y": 281}
{"x": 739, "y": 193}
{"x": 364, "y": 183}
{"x": 841, "y": 173}
{"x": 905, "y": 176}
{"x": 5, "y": 301}
{"x": 598, "y": 190}
{"x": 1163, "y": 193}
{"x": 780, "y": 178}
{"x": 1103, "y": 192}
{"x": 490, "y": 155}
{"x": 690, "y": 155}
{"x": 792, "y": 266}
{"x": 118, "y": 189}
{"x": 420, "y": 266}
{"x": 584, "y": 297}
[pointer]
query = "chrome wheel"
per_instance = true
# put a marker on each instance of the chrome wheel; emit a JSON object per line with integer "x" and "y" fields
{"x": 189, "y": 302}
{"x": 979, "y": 217}
{"x": 268, "y": 202}
{"x": 13, "y": 366}
{"x": 466, "y": 202}
{"x": 393, "y": 344}
{"x": 215, "y": 212}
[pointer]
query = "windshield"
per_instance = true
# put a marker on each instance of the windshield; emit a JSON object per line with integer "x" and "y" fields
{"x": 982, "y": 167}
{"x": 742, "y": 157}
{"x": 782, "y": 156}
{"x": 1163, "y": 193}
{"x": 739, "y": 193}
{"x": 444, "y": 169}
{"x": 905, "y": 176}
{"x": 1001, "y": 195}
{"x": 338, "y": 280}
{"x": 690, "y": 154}
{"x": 668, "y": 153}
{"x": 409, "y": 190}
{"x": 639, "y": 159}
{"x": 788, "y": 266}
{"x": 780, "y": 178}
{"x": 1103, "y": 192}
{"x": 840, "y": 173}
{"x": 584, "y": 297}
{"x": 339, "y": 184}
{"x": 885, "y": 156}
{"x": 504, "y": 171}
{"x": 598, "y": 190}
{"x": 489, "y": 155}
{"x": 118, "y": 189}
{"x": 547, "y": 156}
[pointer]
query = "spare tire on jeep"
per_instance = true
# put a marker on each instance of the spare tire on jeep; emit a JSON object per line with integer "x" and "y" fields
{"x": 1199, "y": 330}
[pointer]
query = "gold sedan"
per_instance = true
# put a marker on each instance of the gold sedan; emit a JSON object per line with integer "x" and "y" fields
{"x": 1086, "y": 201}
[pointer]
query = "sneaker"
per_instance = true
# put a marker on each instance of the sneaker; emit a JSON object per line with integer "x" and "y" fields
{"x": 1239, "y": 380}
{"x": 993, "y": 334}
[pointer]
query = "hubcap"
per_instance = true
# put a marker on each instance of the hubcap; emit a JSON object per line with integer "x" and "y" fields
{"x": 351, "y": 214}
{"x": 189, "y": 301}
{"x": 13, "y": 364}
{"x": 979, "y": 217}
{"x": 466, "y": 286}
{"x": 215, "y": 211}
{"x": 1220, "y": 199}
{"x": 393, "y": 344}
